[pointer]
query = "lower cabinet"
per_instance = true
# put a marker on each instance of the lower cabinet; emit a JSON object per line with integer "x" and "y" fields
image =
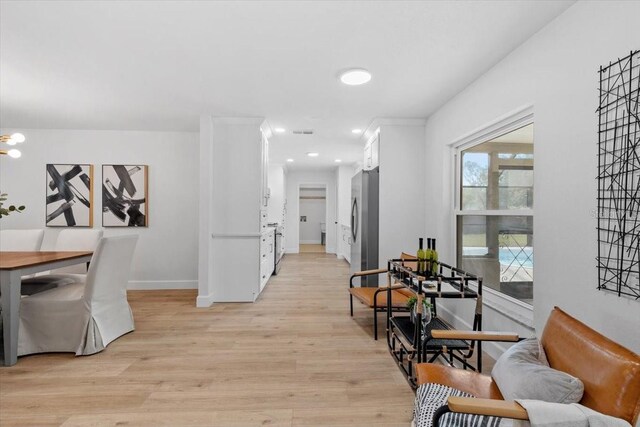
{"x": 267, "y": 256}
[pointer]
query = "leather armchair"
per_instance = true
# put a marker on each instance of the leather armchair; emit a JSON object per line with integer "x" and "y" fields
{"x": 610, "y": 373}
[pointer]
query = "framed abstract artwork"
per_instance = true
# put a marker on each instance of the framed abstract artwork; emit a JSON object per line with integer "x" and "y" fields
{"x": 69, "y": 194}
{"x": 125, "y": 196}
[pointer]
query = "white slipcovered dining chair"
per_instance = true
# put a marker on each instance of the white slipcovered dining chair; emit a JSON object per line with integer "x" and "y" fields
{"x": 82, "y": 317}
{"x": 21, "y": 240}
{"x": 68, "y": 240}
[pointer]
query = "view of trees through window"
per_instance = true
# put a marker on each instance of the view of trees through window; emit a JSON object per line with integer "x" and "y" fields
{"x": 495, "y": 222}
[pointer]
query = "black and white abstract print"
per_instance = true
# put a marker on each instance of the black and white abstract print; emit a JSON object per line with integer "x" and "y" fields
{"x": 69, "y": 195}
{"x": 124, "y": 196}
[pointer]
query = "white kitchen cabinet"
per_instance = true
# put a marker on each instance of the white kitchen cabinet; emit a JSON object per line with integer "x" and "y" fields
{"x": 267, "y": 256}
{"x": 264, "y": 165}
{"x": 372, "y": 152}
{"x": 367, "y": 157}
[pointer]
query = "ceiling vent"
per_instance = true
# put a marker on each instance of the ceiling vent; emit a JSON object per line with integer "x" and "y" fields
{"x": 302, "y": 132}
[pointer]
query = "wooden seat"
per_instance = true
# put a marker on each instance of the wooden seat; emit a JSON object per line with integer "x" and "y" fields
{"x": 376, "y": 298}
{"x": 367, "y": 295}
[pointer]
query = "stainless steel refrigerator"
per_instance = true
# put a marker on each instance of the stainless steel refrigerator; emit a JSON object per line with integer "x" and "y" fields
{"x": 364, "y": 224}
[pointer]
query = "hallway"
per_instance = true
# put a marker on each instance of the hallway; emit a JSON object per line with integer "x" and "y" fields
{"x": 294, "y": 358}
{"x": 312, "y": 249}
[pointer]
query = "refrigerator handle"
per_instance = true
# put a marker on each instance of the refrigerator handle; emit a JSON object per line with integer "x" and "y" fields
{"x": 354, "y": 219}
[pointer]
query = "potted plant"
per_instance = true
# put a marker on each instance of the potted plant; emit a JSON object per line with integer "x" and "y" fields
{"x": 11, "y": 208}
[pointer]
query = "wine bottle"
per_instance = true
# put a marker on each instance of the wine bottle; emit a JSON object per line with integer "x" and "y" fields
{"x": 427, "y": 258}
{"x": 420, "y": 256}
{"x": 434, "y": 258}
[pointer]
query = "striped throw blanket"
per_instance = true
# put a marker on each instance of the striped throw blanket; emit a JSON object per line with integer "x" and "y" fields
{"x": 430, "y": 397}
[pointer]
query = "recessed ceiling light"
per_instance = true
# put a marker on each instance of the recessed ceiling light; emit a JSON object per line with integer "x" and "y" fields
{"x": 356, "y": 131}
{"x": 289, "y": 160}
{"x": 338, "y": 160}
{"x": 279, "y": 130}
{"x": 355, "y": 76}
{"x": 312, "y": 154}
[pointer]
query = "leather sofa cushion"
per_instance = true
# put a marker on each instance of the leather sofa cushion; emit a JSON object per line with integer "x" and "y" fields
{"x": 520, "y": 373}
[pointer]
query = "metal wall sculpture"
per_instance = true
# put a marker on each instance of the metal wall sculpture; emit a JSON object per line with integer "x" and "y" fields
{"x": 124, "y": 196}
{"x": 69, "y": 193}
{"x": 619, "y": 177}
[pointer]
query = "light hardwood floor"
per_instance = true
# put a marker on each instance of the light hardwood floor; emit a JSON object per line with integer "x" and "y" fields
{"x": 312, "y": 248}
{"x": 294, "y": 358}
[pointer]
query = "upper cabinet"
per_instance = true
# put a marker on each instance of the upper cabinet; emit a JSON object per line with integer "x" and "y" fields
{"x": 264, "y": 191}
{"x": 372, "y": 152}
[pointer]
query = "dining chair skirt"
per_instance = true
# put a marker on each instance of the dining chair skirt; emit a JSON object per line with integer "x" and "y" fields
{"x": 82, "y": 317}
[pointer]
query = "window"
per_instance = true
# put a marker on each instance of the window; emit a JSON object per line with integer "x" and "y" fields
{"x": 495, "y": 215}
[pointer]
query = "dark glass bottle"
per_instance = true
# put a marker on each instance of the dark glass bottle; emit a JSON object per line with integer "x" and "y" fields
{"x": 428, "y": 257}
{"x": 434, "y": 258}
{"x": 421, "y": 256}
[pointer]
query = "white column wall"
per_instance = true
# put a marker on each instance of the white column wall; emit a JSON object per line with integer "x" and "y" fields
{"x": 205, "y": 267}
{"x": 402, "y": 201}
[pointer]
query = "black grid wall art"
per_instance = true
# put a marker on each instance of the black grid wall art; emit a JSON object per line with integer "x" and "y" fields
{"x": 619, "y": 177}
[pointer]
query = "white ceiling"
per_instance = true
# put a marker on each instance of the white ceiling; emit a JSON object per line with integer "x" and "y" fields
{"x": 159, "y": 65}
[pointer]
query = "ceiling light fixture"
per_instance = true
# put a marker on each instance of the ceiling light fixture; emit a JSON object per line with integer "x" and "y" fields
{"x": 13, "y": 139}
{"x": 279, "y": 130}
{"x": 289, "y": 160}
{"x": 312, "y": 154}
{"x": 14, "y": 153}
{"x": 356, "y": 131}
{"x": 338, "y": 161}
{"x": 355, "y": 77}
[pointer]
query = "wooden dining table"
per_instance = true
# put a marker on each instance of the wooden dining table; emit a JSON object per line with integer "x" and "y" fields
{"x": 14, "y": 265}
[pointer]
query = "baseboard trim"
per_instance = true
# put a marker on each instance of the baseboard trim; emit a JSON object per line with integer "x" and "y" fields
{"x": 204, "y": 301}
{"x": 292, "y": 251}
{"x": 310, "y": 242}
{"x": 162, "y": 284}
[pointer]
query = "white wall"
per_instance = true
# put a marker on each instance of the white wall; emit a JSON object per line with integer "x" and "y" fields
{"x": 556, "y": 72}
{"x": 294, "y": 179}
{"x": 315, "y": 211}
{"x": 232, "y": 226}
{"x": 167, "y": 251}
{"x": 277, "y": 187}
{"x": 402, "y": 204}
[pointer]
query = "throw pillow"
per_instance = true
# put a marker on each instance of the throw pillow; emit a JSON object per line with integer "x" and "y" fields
{"x": 520, "y": 373}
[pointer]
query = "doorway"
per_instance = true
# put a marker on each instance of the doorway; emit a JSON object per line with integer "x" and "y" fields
{"x": 313, "y": 218}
